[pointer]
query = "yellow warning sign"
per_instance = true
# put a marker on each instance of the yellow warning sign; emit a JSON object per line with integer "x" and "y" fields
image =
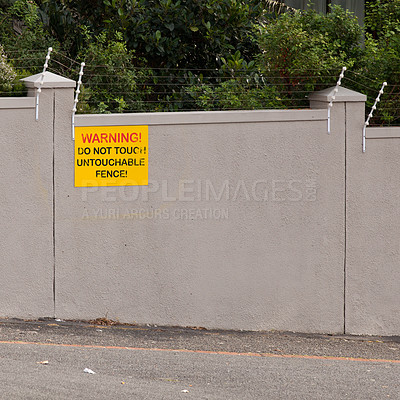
{"x": 111, "y": 155}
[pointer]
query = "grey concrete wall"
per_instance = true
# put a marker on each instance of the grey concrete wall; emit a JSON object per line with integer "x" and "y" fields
{"x": 26, "y": 212}
{"x": 251, "y": 220}
{"x": 269, "y": 257}
{"x": 27, "y": 262}
{"x": 373, "y": 226}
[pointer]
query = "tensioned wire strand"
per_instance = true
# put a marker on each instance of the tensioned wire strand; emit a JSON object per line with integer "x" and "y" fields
{"x": 158, "y": 80}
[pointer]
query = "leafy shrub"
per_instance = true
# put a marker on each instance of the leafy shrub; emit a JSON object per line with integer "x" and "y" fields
{"x": 171, "y": 33}
{"x": 233, "y": 95}
{"x": 382, "y": 18}
{"x": 7, "y": 73}
{"x": 112, "y": 83}
{"x": 381, "y": 59}
{"x": 299, "y": 49}
{"x": 304, "y": 42}
{"x": 23, "y": 36}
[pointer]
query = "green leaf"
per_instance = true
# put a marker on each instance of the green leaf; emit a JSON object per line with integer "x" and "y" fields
{"x": 194, "y": 28}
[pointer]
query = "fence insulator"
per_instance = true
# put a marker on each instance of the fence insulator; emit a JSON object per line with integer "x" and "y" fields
{"x": 338, "y": 83}
{"x": 46, "y": 64}
{"x": 76, "y": 99}
{"x": 377, "y": 100}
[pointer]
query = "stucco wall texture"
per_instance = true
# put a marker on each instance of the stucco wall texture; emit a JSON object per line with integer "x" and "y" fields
{"x": 252, "y": 220}
{"x": 26, "y": 212}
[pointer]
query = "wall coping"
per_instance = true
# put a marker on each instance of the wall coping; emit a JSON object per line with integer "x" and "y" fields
{"x": 343, "y": 95}
{"x": 50, "y": 81}
{"x": 17, "y": 102}
{"x": 383, "y": 132}
{"x": 200, "y": 117}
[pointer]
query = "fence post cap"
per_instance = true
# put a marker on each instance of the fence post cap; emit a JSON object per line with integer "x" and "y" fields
{"x": 50, "y": 81}
{"x": 343, "y": 95}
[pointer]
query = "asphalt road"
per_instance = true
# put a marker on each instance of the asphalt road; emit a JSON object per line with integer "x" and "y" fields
{"x": 133, "y": 362}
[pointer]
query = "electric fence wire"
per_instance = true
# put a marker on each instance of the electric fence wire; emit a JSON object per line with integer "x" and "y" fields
{"x": 127, "y": 88}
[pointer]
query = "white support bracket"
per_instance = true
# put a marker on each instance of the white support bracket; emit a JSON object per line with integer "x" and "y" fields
{"x": 46, "y": 64}
{"x": 338, "y": 83}
{"x": 76, "y": 100}
{"x": 377, "y": 100}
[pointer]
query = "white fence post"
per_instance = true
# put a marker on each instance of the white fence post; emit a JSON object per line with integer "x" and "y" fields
{"x": 338, "y": 83}
{"x": 46, "y": 64}
{"x": 370, "y": 115}
{"x": 76, "y": 100}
